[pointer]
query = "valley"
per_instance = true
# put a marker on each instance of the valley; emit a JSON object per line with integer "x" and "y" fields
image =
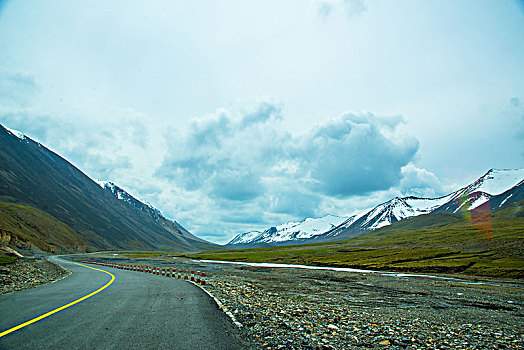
{"x": 459, "y": 260}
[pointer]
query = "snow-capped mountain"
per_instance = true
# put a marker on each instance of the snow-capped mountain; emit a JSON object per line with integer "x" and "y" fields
{"x": 291, "y": 231}
{"x": 494, "y": 190}
{"x": 145, "y": 207}
{"x": 121, "y": 194}
{"x": 492, "y": 184}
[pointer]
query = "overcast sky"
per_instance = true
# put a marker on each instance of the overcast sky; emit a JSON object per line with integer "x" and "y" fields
{"x": 231, "y": 116}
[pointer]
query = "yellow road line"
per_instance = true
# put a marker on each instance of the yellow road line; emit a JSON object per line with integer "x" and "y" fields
{"x": 10, "y": 330}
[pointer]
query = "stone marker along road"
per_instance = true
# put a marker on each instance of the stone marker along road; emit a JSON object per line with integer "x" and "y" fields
{"x": 135, "y": 310}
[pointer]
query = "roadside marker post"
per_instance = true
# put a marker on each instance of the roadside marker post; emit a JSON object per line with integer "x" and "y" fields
{"x": 179, "y": 273}
{"x": 192, "y": 275}
{"x": 203, "y": 280}
{"x": 198, "y": 277}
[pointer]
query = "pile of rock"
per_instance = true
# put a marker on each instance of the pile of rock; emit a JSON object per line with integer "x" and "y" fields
{"x": 23, "y": 274}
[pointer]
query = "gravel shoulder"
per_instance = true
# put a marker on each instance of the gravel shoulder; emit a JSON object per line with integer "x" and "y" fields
{"x": 29, "y": 273}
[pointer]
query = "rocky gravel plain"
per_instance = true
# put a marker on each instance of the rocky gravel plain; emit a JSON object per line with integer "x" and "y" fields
{"x": 28, "y": 273}
{"x": 307, "y": 309}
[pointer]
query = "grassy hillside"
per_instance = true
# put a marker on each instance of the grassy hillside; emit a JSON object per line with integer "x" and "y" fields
{"x": 28, "y": 228}
{"x": 491, "y": 244}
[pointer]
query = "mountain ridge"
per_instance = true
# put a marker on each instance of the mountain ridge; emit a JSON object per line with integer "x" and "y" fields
{"x": 494, "y": 190}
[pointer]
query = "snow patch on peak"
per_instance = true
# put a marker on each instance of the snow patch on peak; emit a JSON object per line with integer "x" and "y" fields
{"x": 16, "y": 133}
{"x": 495, "y": 181}
{"x": 399, "y": 209}
{"x": 105, "y": 184}
{"x": 291, "y": 231}
{"x": 245, "y": 238}
{"x": 121, "y": 194}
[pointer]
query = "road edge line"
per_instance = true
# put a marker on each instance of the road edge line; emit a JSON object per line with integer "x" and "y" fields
{"x": 220, "y": 305}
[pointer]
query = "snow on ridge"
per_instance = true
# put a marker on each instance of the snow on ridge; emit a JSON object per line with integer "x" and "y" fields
{"x": 483, "y": 198}
{"x": 504, "y": 201}
{"x": 291, "y": 230}
{"x": 497, "y": 181}
{"x": 398, "y": 209}
{"x": 16, "y": 133}
{"x": 307, "y": 228}
{"x": 245, "y": 237}
{"x": 122, "y": 194}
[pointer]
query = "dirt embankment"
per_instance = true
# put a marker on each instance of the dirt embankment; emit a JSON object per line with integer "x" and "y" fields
{"x": 24, "y": 274}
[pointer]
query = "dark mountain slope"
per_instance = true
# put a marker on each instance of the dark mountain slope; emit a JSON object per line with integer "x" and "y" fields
{"x": 31, "y": 174}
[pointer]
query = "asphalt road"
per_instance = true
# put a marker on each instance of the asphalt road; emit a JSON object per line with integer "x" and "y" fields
{"x": 137, "y": 311}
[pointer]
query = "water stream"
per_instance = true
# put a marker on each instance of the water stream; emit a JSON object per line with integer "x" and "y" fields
{"x": 348, "y": 269}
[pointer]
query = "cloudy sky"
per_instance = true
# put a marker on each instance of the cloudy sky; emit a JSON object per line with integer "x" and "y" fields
{"x": 231, "y": 116}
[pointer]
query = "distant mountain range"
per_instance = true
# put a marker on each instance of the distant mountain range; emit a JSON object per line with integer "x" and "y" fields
{"x": 494, "y": 190}
{"x": 39, "y": 190}
{"x": 291, "y": 231}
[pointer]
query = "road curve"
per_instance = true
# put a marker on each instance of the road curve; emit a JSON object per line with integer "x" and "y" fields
{"x": 137, "y": 311}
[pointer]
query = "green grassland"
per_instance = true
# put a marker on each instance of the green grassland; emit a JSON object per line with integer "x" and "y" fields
{"x": 488, "y": 245}
{"x": 28, "y": 228}
{"x": 4, "y": 260}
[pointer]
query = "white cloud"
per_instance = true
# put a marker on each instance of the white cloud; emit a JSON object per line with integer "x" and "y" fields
{"x": 356, "y": 154}
{"x": 420, "y": 183}
{"x": 238, "y": 159}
